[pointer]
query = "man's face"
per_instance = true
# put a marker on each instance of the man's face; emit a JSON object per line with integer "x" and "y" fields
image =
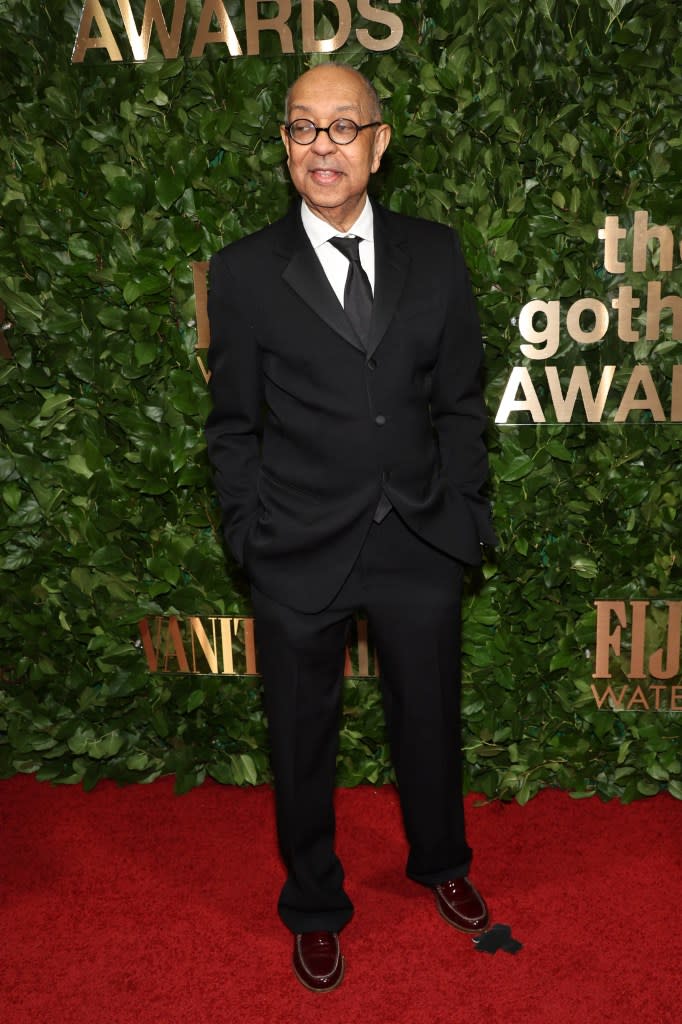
{"x": 333, "y": 179}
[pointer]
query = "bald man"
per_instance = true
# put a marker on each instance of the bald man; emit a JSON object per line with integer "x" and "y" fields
{"x": 347, "y": 438}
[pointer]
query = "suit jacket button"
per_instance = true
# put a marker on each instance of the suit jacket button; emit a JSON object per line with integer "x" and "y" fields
{"x": 371, "y": 364}
{"x": 380, "y": 420}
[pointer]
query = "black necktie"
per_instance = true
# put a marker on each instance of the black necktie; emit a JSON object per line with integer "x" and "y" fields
{"x": 357, "y": 294}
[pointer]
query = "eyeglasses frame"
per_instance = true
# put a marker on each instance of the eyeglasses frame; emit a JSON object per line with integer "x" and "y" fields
{"x": 318, "y": 129}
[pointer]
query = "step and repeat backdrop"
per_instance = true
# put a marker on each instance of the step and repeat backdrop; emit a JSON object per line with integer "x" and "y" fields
{"x": 138, "y": 137}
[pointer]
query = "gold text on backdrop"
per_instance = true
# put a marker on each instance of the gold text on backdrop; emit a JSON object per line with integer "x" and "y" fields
{"x": 640, "y": 395}
{"x": 224, "y": 645}
{"x": 199, "y": 272}
{"x": 643, "y": 249}
{"x": 642, "y": 639}
{"x": 215, "y": 26}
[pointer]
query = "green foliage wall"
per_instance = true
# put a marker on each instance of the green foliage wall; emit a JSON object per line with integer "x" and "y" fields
{"x": 523, "y": 125}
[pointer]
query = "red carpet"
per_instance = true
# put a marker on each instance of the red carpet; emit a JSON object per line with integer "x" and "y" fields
{"x": 133, "y": 906}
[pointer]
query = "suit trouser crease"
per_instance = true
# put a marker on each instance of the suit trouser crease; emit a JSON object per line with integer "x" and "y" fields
{"x": 411, "y": 593}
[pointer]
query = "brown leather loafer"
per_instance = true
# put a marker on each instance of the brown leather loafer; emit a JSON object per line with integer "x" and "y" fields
{"x": 318, "y": 963}
{"x": 461, "y": 906}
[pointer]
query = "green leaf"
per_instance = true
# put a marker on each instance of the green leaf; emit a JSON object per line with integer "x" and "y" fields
{"x": 250, "y": 773}
{"x": 169, "y": 187}
{"x": 196, "y": 699}
{"x": 145, "y": 352}
{"x": 77, "y": 464}
{"x": 11, "y": 495}
{"x": 82, "y": 247}
{"x": 114, "y": 317}
{"x": 107, "y": 746}
{"x": 79, "y": 741}
{"x": 558, "y": 450}
{"x": 137, "y": 762}
{"x": 53, "y": 404}
{"x": 586, "y": 567}
{"x": 516, "y": 469}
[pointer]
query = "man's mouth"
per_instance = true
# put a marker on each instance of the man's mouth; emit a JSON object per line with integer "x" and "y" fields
{"x": 325, "y": 174}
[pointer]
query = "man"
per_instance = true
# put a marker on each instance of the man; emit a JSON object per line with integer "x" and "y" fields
{"x": 347, "y": 441}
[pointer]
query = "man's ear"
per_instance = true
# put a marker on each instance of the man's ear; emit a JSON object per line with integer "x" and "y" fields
{"x": 381, "y": 141}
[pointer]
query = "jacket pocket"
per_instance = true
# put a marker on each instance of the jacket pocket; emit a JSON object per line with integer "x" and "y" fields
{"x": 294, "y": 489}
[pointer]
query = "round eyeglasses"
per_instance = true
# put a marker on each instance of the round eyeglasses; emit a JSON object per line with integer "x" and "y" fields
{"x": 341, "y": 132}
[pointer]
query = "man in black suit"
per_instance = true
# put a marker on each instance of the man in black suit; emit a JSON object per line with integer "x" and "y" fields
{"x": 347, "y": 441}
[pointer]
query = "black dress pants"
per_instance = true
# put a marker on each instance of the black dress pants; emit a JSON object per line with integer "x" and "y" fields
{"x": 411, "y": 593}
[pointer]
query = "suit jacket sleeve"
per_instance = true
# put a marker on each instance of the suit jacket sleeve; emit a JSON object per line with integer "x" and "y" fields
{"x": 234, "y": 427}
{"x": 457, "y": 407}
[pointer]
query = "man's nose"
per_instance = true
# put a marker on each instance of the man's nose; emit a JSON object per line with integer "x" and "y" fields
{"x": 323, "y": 144}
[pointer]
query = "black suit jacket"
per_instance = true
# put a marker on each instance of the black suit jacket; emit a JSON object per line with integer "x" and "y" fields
{"x": 308, "y": 427}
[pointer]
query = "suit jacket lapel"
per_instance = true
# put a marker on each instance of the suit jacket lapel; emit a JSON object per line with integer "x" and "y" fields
{"x": 305, "y": 275}
{"x": 391, "y": 264}
{"x": 303, "y": 272}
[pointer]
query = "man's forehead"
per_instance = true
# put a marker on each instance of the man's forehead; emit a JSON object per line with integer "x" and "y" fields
{"x": 334, "y": 89}
{"x": 308, "y": 106}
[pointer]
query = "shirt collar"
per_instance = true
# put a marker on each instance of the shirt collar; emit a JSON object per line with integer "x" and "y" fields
{"x": 319, "y": 231}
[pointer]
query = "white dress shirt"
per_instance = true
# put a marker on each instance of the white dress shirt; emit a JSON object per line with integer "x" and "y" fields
{"x": 334, "y": 263}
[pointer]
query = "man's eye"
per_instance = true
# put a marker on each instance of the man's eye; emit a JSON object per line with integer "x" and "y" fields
{"x": 344, "y": 127}
{"x": 303, "y": 128}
